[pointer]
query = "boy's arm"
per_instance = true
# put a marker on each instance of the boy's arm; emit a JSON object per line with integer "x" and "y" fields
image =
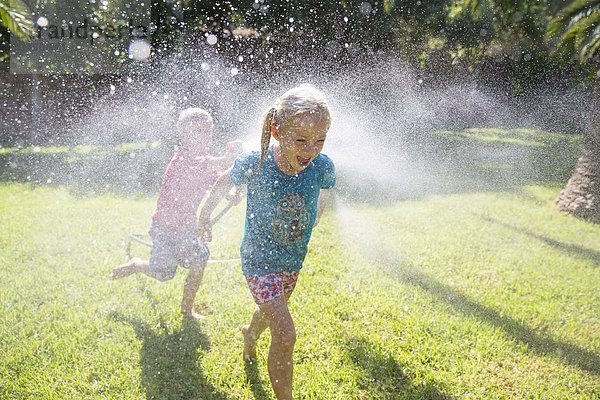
{"x": 325, "y": 199}
{"x": 221, "y": 187}
{"x": 234, "y": 148}
{"x": 216, "y": 164}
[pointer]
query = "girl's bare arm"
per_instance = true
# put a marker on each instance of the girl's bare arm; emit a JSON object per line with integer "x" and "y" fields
{"x": 325, "y": 199}
{"x": 221, "y": 187}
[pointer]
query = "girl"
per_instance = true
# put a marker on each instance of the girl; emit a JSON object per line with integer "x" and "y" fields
{"x": 283, "y": 186}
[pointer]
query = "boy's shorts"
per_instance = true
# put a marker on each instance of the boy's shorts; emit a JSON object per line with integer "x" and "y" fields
{"x": 272, "y": 286}
{"x": 171, "y": 249}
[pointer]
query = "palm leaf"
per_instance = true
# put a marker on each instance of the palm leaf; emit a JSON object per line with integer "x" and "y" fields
{"x": 575, "y": 29}
{"x": 591, "y": 46}
{"x": 570, "y": 15}
{"x": 479, "y": 9}
{"x": 15, "y": 16}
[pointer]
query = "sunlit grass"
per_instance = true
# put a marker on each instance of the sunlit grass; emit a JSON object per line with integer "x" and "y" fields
{"x": 526, "y": 137}
{"x": 477, "y": 295}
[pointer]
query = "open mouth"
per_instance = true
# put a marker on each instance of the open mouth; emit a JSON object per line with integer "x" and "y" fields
{"x": 304, "y": 161}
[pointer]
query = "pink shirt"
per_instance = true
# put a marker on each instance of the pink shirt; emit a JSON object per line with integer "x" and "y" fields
{"x": 183, "y": 186}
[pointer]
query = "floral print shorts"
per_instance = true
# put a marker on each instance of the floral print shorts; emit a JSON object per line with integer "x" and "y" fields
{"x": 271, "y": 286}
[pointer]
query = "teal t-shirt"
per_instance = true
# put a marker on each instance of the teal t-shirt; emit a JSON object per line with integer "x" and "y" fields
{"x": 281, "y": 211}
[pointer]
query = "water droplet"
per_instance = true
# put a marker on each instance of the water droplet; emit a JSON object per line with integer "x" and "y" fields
{"x": 139, "y": 49}
{"x": 42, "y": 21}
{"x": 211, "y": 39}
{"x": 366, "y": 8}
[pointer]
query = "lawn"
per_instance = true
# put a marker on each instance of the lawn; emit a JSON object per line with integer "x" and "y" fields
{"x": 471, "y": 292}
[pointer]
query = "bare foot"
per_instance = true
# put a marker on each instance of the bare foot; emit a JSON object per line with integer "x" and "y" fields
{"x": 194, "y": 314}
{"x": 123, "y": 270}
{"x": 249, "y": 344}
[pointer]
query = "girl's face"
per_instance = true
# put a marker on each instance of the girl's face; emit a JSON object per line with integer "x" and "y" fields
{"x": 300, "y": 139}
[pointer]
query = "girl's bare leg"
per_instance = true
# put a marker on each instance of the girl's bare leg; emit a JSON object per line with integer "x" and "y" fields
{"x": 283, "y": 339}
{"x": 252, "y": 332}
{"x": 190, "y": 288}
{"x": 133, "y": 266}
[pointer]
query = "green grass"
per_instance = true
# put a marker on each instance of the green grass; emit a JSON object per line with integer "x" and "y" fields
{"x": 472, "y": 295}
{"x": 526, "y": 137}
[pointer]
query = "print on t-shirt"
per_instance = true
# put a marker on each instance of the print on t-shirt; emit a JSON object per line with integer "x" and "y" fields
{"x": 291, "y": 218}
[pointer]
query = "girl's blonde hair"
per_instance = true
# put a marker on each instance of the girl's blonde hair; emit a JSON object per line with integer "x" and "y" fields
{"x": 296, "y": 101}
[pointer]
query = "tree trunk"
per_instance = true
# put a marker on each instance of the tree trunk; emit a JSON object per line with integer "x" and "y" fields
{"x": 581, "y": 196}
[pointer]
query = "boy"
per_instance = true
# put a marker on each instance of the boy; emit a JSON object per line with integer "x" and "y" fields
{"x": 174, "y": 229}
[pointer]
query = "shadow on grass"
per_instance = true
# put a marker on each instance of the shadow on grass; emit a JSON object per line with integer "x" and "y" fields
{"x": 383, "y": 377}
{"x": 257, "y": 386}
{"x": 568, "y": 248}
{"x": 170, "y": 360}
{"x": 536, "y": 342}
{"x": 390, "y": 262}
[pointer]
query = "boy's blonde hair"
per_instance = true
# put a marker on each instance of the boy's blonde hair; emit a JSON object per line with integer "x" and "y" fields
{"x": 299, "y": 100}
{"x": 193, "y": 114}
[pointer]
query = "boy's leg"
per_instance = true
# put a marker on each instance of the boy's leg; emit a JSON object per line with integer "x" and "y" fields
{"x": 162, "y": 263}
{"x": 133, "y": 266}
{"x": 192, "y": 251}
{"x": 283, "y": 338}
{"x": 192, "y": 284}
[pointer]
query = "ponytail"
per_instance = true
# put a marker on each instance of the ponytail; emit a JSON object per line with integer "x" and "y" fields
{"x": 265, "y": 138}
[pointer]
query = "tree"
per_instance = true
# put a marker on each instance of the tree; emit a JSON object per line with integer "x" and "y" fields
{"x": 576, "y": 33}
